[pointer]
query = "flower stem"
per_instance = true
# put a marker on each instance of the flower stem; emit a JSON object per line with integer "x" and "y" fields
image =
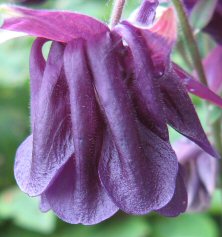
{"x": 196, "y": 58}
{"x": 117, "y": 12}
{"x": 191, "y": 43}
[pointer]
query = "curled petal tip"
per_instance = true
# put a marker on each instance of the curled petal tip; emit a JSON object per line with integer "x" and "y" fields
{"x": 62, "y": 26}
{"x": 166, "y": 26}
{"x": 145, "y": 14}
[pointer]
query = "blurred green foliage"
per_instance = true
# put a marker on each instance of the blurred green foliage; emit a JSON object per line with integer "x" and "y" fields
{"x": 19, "y": 214}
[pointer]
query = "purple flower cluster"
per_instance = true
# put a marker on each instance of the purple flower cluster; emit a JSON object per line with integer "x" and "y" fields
{"x": 100, "y": 105}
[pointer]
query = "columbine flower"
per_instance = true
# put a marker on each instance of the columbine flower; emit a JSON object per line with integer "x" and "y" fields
{"x": 200, "y": 173}
{"x": 100, "y": 105}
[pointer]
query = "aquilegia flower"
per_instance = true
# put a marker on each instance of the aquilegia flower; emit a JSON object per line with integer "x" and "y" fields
{"x": 100, "y": 105}
{"x": 199, "y": 172}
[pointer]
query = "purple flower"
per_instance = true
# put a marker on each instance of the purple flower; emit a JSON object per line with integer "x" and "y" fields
{"x": 199, "y": 172}
{"x": 100, "y": 105}
{"x": 213, "y": 70}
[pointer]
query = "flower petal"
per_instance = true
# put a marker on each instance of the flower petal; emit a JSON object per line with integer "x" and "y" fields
{"x": 198, "y": 196}
{"x": 181, "y": 114}
{"x": 60, "y": 26}
{"x": 212, "y": 66}
{"x": 52, "y": 135}
{"x": 196, "y": 88}
{"x": 44, "y": 204}
{"x": 75, "y": 204}
{"x": 160, "y": 39}
{"x": 145, "y": 89}
{"x": 130, "y": 169}
{"x": 77, "y": 195}
{"x": 145, "y": 14}
{"x": 139, "y": 186}
{"x": 37, "y": 67}
{"x": 207, "y": 168}
{"x": 186, "y": 150}
{"x": 178, "y": 203}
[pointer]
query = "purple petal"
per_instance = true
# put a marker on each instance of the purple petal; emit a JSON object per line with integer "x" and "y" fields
{"x": 196, "y": 87}
{"x": 60, "y": 26}
{"x": 198, "y": 197}
{"x": 142, "y": 184}
{"x": 77, "y": 195}
{"x": 213, "y": 70}
{"x": 138, "y": 176}
{"x": 186, "y": 150}
{"x": 52, "y": 135}
{"x": 178, "y": 203}
{"x": 44, "y": 204}
{"x": 37, "y": 67}
{"x": 207, "y": 168}
{"x": 23, "y": 162}
{"x": 181, "y": 114}
{"x": 145, "y": 14}
{"x": 160, "y": 40}
{"x": 74, "y": 200}
{"x": 145, "y": 89}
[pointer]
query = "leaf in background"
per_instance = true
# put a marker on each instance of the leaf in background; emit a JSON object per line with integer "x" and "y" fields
{"x": 215, "y": 114}
{"x": 127, "y": 227}
{"x": 202, "y": 13}
{"x": 119, "y": 226}
{"x": 216, "y": 207}
{"x": 24, "y": 212}
{"x": 189, "y": 225}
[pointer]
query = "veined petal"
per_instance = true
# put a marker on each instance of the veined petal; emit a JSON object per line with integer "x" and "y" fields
{"x": 77, "y": 195}
{"x": 178, "y": 203}
{"x": 52, "y": 135}
{"x": 37, "y": 67}
{"x": 128, "y": 166}
{"x": 139, "y": 186}
{"x": 145, "y": 88}
{"x": 181, "y": 114}
{"x": 196, "y": 88}
{"x": 63, "y": 197}
{"x": 60, "y": 26}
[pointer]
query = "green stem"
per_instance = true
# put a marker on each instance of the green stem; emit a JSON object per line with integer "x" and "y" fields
{"x": 117, "y": 12}
{"x": 217, "y": 135}
{"x": 191, "y": 43}
{"x": 197, "y": 62}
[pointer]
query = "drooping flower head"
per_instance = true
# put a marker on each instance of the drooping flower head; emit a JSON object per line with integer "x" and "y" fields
{"x": 100, "y": 105}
